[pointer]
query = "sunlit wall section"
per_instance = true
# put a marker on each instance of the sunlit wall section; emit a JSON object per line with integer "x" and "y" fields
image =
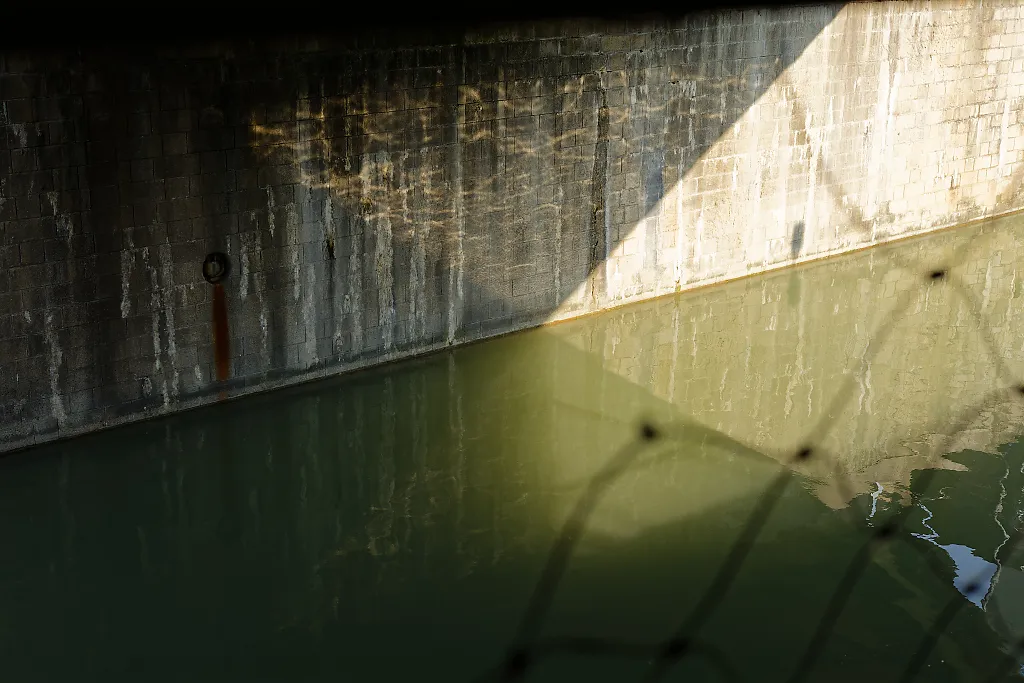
{"x": 897, "y": 118}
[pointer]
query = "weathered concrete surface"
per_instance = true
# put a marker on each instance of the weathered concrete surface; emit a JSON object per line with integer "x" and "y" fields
{"x": 381, "y": 199}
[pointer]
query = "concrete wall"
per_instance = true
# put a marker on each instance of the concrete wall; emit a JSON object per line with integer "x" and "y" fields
{"x": 394, "y": 195}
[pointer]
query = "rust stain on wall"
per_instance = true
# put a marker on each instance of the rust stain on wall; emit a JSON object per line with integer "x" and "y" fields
{"x": 221, "y": 339}
{"x": 215, "y": 269}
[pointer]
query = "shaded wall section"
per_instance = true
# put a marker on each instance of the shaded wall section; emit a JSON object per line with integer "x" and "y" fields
{"x": 380, "y": 197}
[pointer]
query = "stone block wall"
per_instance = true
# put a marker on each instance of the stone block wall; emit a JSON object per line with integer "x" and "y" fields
{"x": 384, "y": 196}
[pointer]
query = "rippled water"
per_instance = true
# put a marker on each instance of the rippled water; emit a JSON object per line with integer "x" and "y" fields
{"x": 389, "y": 525}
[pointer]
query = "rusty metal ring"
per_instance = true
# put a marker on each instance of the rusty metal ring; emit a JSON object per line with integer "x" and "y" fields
{"x": 216, "y": 267}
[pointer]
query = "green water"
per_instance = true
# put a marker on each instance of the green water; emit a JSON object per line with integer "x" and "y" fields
{"x": 390, "y": 525}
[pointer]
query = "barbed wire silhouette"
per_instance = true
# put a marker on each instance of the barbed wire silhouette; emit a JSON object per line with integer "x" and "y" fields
{"x": 653, "y": 440}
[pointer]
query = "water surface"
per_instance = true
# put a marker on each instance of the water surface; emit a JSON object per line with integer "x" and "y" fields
{"x": 390, "y": 525}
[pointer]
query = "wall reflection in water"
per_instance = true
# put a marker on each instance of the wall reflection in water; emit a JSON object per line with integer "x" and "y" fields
{"x": 776, "y": 361}
{"x": 391, "y": 523}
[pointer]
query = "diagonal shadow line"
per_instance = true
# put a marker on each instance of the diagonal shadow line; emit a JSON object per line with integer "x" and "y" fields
{"x": 878, "y": 340}
{"x": 717, "y": 658}
{"x": 558, "y": 557}
{"x": 938, "y": 627}
{"x": 837, "y": 603}
{"x": 677, "y": 646}
{"x": 677, "y": 429}
{"x": 713, "y": 437}
{"x": 591, "y": 646}
{"x": 982, "y": 323}
{"x": 842, "y": 395}
{"x": 974, "y": 308}
{"x": 791, "y": 45}
{"x": 586, "y": 645}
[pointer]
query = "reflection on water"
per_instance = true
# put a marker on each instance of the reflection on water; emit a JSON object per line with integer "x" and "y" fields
{"x": 973, "y": 574}
{"x": 390, "y": 524}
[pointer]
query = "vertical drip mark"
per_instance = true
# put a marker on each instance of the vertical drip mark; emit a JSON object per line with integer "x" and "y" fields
{"x": 455, "y": 273}
{"x": 987, "y": 291}
{"x": 698, "y": 248}
{"x": 679, "y": 268}
{"x": 419, "y": 269}
{"x": 56, "y": 360}
{"x": 127, "y": 264}
{"x": 1003, "y": 139}
{"x": 652, "y": 181}
{"x": 384, "y": 258}
{"x": 598, "y": 220}
{"x": 882, "y": 126}
{"x": 560, "y": 198}
{"x": 785, "y": 160}
{"x": 353, "y": 300}
{"x": 157, "y": 304}
{"x": 814, "y": 138}
{"x": 292, "y": 240}
{"x": 271, "y": 207}
{"x": 330, "y": 234}
{"x": 62, "y": 220}
{"x": 309, "y": 315}
{"x": 243, "y": 280}
{"x": 167, "y": 272}
{"x": 334, "y": 285}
